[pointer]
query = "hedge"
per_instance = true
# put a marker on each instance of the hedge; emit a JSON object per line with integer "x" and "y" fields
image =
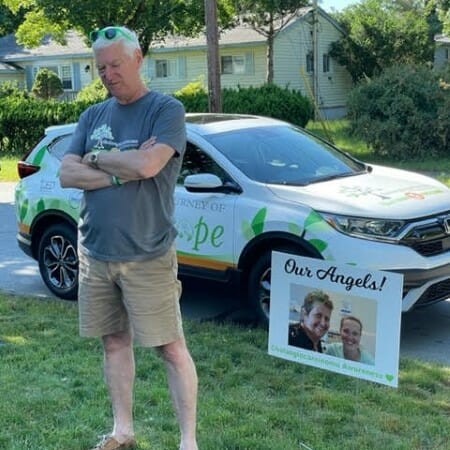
{"x": 23, "y": 118}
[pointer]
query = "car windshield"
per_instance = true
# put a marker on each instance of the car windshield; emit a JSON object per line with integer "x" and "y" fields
{"x": 283, "y": 155}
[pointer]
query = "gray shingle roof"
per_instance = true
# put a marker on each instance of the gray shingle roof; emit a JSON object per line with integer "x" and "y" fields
{"x": 11, "y": 51}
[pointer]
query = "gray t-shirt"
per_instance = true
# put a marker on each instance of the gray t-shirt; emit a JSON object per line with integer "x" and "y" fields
{"x": 133, "y": 221}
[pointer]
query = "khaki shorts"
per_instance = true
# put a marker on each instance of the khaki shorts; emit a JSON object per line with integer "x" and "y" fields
{"x": 141, "y": 296}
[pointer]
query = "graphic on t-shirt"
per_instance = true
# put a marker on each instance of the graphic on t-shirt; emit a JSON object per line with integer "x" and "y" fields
{"x": 101, "y": 134}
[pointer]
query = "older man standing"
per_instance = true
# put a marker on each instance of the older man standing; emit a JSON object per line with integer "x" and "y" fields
{"x": 126, "y": 154}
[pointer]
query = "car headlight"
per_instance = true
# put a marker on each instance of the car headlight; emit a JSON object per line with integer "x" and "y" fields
{"x": 377, "y": 229}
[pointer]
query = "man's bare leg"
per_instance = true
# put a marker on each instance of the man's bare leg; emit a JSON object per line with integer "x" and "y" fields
{"x": 182, "y": 380}
{"x": 119, "y": 373}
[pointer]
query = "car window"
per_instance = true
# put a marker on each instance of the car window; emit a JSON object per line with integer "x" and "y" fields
{"x": 59, "y": 146}
{"x": 282, "y": 154}
{"x": 196, "y": 161}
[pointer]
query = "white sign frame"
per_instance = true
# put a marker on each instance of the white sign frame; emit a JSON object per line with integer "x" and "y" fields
{"x": 376, "y": 296}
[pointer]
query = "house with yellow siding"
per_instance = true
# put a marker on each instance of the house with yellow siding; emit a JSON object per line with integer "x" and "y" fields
{"x": 301, "y": 61}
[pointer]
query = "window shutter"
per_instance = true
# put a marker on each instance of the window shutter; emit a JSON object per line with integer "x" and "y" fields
{"x": 76, "y": 76}
{"x": 249, "y": 63}
{"x": 151, "y": 69}
{"x": 29, "y": 77}
{"x": 182, "y": 67}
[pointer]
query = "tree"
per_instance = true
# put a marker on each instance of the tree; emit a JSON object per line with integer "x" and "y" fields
{"x": 383, "y": 33}
{"x": 151, "y": 19}
{"x": 268, "y": 18}
{"x": 442, "y": 9}
{"x": 47, "y": 85}
{"x": 8, "y": 20}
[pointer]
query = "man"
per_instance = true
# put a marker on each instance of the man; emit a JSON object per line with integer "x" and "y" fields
{"x": 126, "y": 154}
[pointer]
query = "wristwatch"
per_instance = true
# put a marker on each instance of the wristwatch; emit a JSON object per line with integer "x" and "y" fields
{"x": 93, "y": 159}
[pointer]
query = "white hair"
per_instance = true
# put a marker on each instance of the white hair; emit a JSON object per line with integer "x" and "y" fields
{"x": 125, "y": 36}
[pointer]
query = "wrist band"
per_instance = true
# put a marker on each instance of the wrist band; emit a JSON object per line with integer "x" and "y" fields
{"x": 115, "y": 180}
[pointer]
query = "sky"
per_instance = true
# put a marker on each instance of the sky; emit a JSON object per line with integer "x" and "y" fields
{"x": 338, "y": 5}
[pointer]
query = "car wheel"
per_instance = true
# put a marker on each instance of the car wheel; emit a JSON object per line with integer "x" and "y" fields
{"x": 58, "y": 261}
{"x": 259, "y": 285}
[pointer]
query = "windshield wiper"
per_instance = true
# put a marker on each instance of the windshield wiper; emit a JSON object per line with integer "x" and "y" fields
{"x": 337, "y": 175}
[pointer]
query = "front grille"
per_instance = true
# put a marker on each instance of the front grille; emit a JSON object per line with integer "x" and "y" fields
{"x": 435, "y": 293}
{"x": 433, "y": 247}
{"x": 430, "y": 238}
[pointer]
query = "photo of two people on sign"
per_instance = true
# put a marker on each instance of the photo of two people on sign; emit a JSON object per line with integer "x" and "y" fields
{"x": 332, "y": 324}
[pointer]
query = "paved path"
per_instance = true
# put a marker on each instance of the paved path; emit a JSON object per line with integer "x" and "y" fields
{"x": 425, "y": 332}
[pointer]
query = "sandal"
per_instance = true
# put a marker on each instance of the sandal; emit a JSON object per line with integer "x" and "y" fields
{"x": 110, "y": 443}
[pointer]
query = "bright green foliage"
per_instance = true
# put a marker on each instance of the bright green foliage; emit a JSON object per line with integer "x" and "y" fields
{"x": 194, "y": 96}
{"x": 93, "y": 92}
{"x": 192, "y": 88}
{"x": 12, "y": 89}
{"x": 402, "y": 114}
{"x": 383, "y": 33}
{"x": 47, "y": 85}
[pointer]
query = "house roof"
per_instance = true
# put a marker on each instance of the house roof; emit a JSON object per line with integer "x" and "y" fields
{"x": 76, "y": 46}
{"x": 442, "y": 39}
{"x": 241, "y": 35}
{"x": 11, "y": 51}
{"x": 9, "y": 68}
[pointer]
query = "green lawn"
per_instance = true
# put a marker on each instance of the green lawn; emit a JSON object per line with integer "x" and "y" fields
{"x": 8, "y": 169}
{"x": 53, "y": 396}
{"x": 336, "y": 131}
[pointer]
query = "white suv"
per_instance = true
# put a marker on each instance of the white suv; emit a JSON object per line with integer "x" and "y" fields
{"x": 250, "y": 185}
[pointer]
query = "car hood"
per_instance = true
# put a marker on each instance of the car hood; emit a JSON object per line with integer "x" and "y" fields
{"x": 382, "y": 193}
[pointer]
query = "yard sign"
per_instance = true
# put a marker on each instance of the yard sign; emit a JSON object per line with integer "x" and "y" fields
{"x": 374, "y": 297}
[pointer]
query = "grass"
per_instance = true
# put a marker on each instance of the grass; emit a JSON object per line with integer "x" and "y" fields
{"x": 53, "y": 395}
{"x": 336, "y": 131}
{"x": 8, "y": 169}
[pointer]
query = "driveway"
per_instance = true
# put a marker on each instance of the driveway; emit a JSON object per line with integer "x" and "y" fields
{"x": 425, "y": 332}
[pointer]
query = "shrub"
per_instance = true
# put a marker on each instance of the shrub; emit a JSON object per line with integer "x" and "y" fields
{"x": 268, "y": 100}
{"x": 401, "y": 113}
{"x": 24, "y": 119}
{"x": 47, "y": 85}
{"x": 12, "y": 89}
{"x": 193, "y": 96}
{"x": 94, "y": 92}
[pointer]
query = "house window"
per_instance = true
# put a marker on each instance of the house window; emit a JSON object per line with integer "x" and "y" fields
{"x": 64, "y": 74}
{"x": 66, "y": 77}
{"x": 165, "y": 68}
{"x": 310, "y": 62}
{"x": 326, "y": 63}
{"x": 232, "y": 65}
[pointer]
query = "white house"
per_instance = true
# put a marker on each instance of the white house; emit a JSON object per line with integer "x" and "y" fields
{"x": 441, "y": 51}
{"x": 301, "y": 61}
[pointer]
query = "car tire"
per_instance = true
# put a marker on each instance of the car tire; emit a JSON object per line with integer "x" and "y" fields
{"x": 258, "y": 285}
{"x": 58, "y": 260}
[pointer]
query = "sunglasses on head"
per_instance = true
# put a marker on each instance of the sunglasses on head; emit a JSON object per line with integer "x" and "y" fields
{"x": 109, "y": 33}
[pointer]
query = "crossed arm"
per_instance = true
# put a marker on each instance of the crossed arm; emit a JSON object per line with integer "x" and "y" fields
{"x": 130, "y": 165}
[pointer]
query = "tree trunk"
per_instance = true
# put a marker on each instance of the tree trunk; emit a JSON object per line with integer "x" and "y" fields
{"x": 212, "y": 39}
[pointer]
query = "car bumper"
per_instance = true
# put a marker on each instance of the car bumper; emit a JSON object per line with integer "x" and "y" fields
{"x": 425, "y": 287}
{"x": 24, "y": 242}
